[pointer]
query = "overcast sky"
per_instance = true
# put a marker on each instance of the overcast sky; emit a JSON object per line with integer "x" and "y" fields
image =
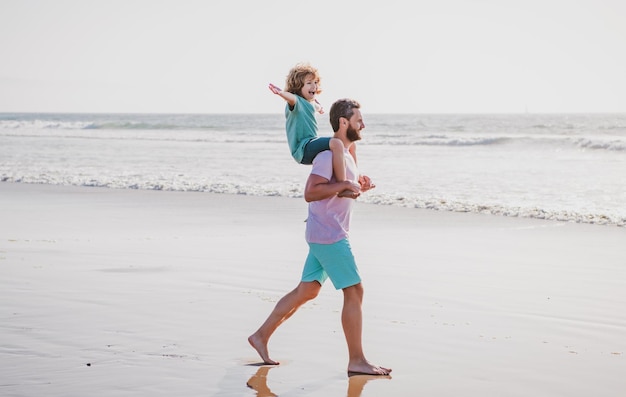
{"x": 212, "y": 56}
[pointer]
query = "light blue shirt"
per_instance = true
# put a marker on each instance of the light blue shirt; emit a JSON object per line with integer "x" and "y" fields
{"x": 301, "y": 126}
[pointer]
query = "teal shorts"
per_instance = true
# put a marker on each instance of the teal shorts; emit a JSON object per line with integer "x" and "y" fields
{"x": 334, "y": 261}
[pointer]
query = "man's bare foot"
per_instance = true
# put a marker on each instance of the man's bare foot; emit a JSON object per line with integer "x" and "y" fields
{"x": 365, "y": 368}
{"x": 261, "y": 348}
{"x": 348, "y": 194}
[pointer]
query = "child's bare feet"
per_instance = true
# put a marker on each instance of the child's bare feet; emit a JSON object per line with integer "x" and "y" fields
{"x": 348, "y": 194}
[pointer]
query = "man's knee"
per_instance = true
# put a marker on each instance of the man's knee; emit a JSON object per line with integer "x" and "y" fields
{"x": 309, "y": 290}
{"x": 354, "y": 291}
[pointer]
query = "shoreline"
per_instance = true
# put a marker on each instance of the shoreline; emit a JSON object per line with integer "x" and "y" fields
{"x": 426, "y": 205}
{"x": 136, "y": 292}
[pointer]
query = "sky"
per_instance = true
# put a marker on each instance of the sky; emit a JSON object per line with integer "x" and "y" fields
{"x": 393, "y": 56}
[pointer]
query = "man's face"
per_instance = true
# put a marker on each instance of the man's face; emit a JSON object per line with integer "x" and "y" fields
{"x": 355, "y": 125}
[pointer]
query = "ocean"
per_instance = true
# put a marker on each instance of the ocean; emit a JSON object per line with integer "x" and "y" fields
{"x": 562, "y": 167}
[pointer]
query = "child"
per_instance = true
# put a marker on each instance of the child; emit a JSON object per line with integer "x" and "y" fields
{"x": 301, "y": 88}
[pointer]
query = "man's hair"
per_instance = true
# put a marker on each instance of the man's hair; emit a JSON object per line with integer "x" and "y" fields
{"x": 297, "y": 75}
{"x": 342, "y": 108}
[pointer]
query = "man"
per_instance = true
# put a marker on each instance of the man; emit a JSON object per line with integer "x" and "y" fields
{"x": 330, "y": 255}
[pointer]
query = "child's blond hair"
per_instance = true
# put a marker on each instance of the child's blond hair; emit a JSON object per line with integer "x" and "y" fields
{"x": 297, "y": 75}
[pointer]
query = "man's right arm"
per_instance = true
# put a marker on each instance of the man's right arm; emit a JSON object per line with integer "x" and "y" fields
{"x": 319, "y": 188}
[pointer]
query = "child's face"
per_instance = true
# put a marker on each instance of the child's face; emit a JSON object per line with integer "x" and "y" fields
{"x": 310, "y": 87}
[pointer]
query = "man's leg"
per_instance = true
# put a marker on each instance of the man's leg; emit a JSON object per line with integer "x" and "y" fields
{"x": 285, "y": 308}
{"x": 352, "y": 321}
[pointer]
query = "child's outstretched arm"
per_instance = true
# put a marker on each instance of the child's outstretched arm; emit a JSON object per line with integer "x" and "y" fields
{"x": 287, "y": 96}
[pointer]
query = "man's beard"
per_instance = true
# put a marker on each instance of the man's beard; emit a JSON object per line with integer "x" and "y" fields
{"x": 352, "y": 134}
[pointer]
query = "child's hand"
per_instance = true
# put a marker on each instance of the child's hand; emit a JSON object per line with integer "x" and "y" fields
{"x": 276, "y": 90}
{"x": 318, "y": 107}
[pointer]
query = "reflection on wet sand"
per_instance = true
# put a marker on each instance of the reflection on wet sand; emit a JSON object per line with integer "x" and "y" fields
{"x": 356, "y": 383}
{"x": 258, "y": 382}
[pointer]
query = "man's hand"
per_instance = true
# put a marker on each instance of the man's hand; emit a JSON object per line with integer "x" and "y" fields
{"x": 366, "y": 183}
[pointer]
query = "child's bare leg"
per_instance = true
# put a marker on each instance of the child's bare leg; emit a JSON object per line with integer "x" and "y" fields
{"x": 339, "y": 165}
{"x": 353, "y": 153}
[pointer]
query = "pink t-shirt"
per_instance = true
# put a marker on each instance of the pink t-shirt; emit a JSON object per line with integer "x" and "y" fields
{"x": 329, "y": 219}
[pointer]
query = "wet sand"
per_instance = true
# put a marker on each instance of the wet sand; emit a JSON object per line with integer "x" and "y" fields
{"x": 125, "y": 292}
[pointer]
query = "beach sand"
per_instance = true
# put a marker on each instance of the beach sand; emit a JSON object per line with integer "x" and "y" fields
{"x": 108, "y": 292}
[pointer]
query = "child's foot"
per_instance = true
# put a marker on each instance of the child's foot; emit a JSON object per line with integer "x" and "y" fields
{"x": 348, "y": 193}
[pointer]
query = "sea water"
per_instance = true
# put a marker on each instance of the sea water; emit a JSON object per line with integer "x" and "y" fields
{"x": 569, "y": 167}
